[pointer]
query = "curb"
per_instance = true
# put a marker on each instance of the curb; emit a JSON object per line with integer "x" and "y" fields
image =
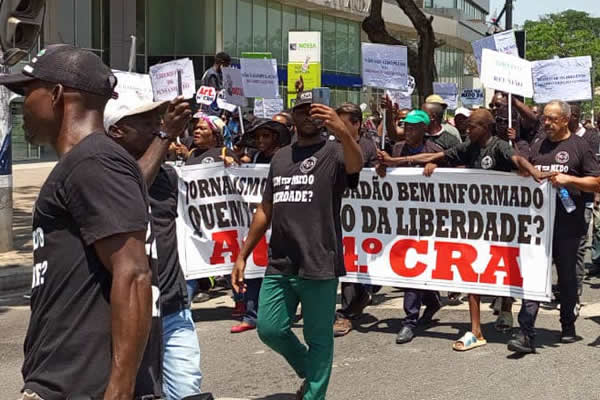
{"x": 15, "y": 277}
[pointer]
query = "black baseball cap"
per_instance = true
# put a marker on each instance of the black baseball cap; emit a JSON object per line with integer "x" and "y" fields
{"x": 303, "y": 98}
{"x": 68, "y": 65}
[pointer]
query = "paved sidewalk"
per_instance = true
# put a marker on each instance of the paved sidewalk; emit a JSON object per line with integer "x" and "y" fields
{"x": 15, "y": 266}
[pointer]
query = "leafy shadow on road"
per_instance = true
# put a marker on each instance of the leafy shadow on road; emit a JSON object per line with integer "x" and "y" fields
{"x": 368, "y": 323}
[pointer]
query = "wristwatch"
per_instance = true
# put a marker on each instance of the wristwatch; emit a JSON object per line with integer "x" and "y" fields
{"x": 162, "y": 135}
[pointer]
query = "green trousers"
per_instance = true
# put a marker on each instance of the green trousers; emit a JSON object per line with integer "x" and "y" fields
{"x": 278, "y": 301}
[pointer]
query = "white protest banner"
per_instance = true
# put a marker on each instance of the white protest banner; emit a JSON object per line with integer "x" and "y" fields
{"x": 448, "y": 92}
{"x": 165, "y": 83}
{"x": 503, "y": 42}
{"x": 400, "y": 98}
{"x": 507, "y": 73}
{"x": 384, "y": 66}
{"x": 259, "y": 78}
{"x": 304, "y": 47}
{"x": 471, "y": 231}
{"x": 567, "y": 79}
{"x": 472, "y": 97}
{"x": 267, "y": 108}
{"x": 233, "y": 87}
{"x": 206, "y": 95}
{"x": 223, "y": 104}
{"x": 133, "y": 88}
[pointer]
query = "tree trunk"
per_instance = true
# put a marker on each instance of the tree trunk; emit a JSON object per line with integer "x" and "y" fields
{"x": 421, "y": 62}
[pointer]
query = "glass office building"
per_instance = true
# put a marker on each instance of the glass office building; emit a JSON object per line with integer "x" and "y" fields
{"x": 170, "y": 29}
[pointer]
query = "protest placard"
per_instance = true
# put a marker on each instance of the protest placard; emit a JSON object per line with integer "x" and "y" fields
{"x": 470, "y": 231}
{"x": 311, "y": 75}
{"x": 507, "y": 73}
{"x": 400, "y": 98}
{"x": 448, "y": 92}
{"x": 568, "y": 79}
{"x": 384, "y": 66}
{"x": 503, "y": 42}
{"x": 133, "y": 88}
{"x": 304, "y": 47}
{"x": 259, "y": 78}
{"x": 472, "y": 97}
{"x": 165, "y": 83}
{"x": 206, "y": 95}
{"x": 233, "y": 88}
{"x": 267, "y": 108}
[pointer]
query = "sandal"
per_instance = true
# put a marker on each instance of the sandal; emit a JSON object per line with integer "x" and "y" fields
{"x": 504, "y": 322}
{"x": 469, "y": 342}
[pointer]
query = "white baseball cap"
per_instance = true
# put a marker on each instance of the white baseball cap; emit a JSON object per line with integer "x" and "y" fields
{"x": 134, "y": 97}
{"x": 463, "y": 111}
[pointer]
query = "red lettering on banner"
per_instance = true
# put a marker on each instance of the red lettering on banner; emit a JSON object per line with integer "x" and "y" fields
{"x": 398, "y": 257}
{"x": 510, "y": 266}
{"x": 225, "y": 242}
{"x": 260, "y": 255}
{"x": 350, "y": 257}
{"x": 445, "y": 260}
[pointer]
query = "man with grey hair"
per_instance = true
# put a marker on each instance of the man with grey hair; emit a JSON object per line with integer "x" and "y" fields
{"x": 571, "y": 158}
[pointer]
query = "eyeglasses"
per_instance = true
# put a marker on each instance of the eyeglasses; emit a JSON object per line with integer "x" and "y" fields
{"x": 553, "y": 120}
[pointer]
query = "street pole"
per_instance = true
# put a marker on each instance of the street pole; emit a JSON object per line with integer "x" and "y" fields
{"x": 509, "y": 14}
{"x": 6, "y": 184}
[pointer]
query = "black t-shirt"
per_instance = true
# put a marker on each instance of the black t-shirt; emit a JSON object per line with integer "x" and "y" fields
{"x": 198, "y": 156}
{"x": 163, "y": 201}
{"x": 572, "y": 156}
{"x": 591, "y": 136}
{"x": 94, "y": 192}
{"x": 496, "y": 155}
{"x": 261, "y": 158}
{"x": 305, "y": 186}
{"x": 445, "y": 139}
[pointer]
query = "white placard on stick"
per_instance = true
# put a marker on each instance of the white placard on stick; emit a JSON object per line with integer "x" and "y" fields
{"x": 233, "y": 87}
{"x": 267, "y": 108}
{"x": 259, "y": 78}
{"x": 447, "y": 91}
{"x": 472, "y": 97}
{"x": 206, "y": 95}
{"x": 303, "y": 46}
{"x": 385, "y": 66}
{"x": 133, "y": 88}
{"x": 503, "y": 42}
{"x": 567, "y": 79}
{"x": 507, "y": 73}
{"x": 400, "y": 98}
{"x": 165, "y": 83}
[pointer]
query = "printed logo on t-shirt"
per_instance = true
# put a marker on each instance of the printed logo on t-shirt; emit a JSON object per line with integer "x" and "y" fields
{"x": 562, "y": 157}
{"x": 308, "y": 165}
{"x": 487, "y": 162}
{"x": 208, "y": 160}
{"x": 39, "y": 269}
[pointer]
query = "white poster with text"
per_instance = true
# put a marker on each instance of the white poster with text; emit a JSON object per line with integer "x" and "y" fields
{"x": 385, "y": 66}
{"x": 507, "y": 73}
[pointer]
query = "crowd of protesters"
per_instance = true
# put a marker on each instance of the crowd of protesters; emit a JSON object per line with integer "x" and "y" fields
{"x": 111, "y": 310}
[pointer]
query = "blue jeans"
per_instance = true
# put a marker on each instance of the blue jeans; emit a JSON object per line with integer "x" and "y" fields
{"x": 251, "y": 299}
{"x": 181, "y": 356}
{"x": 192, "y": 288}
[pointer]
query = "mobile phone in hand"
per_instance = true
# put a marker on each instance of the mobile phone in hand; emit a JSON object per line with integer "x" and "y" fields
{"x": 321, "y": 95}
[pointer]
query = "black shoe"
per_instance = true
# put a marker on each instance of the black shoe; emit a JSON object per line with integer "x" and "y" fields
{"x": 568, "y": 335}
{"x": 521, "y": 344}
{"x": 405, "y": 335}
{"x": 427, "y": 318}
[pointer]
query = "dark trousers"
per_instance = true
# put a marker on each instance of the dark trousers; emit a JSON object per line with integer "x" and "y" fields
{"x": 564, "y": 253}
{"x": 585, "y": 248}
{"x": 413, "y": 299}
{"x": 251, "y": 300}
{"x": 351, "y": 292}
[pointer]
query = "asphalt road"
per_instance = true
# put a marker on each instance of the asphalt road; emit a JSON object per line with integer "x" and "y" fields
{"x": 368, "y": 364}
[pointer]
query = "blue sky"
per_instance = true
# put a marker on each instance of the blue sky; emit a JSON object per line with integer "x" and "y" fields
{"x": 531, "y": 9}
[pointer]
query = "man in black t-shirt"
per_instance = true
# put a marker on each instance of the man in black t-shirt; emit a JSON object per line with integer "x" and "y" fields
{"x": 572, "y": 158}
{"x": 437, "y": 133}
{"x": 95, "y": 322}
{"x": 302, "y": 200}
{"x": 481, "y": 151}
{"x": 415, "y": 125}
{"x": 137, "y": 128}
{"x": 355, "y": 296}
